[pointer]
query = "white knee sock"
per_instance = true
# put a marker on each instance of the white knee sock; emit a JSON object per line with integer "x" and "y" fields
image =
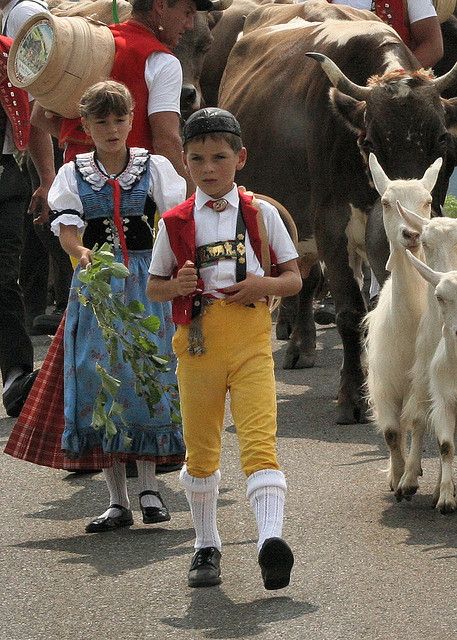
{"x": 117, "y": 487}
{"x": 201, "y": 494}
{"x": 266, "y": 491}
{"x": 147, "y": 481}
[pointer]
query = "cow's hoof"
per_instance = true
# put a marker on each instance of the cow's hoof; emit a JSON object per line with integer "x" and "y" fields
{"x": 350, "y": 414}
{"x": 283, "y": 331}
{"x": 299, "y": 361}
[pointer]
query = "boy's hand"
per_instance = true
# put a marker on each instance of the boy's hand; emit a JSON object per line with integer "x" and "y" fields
{"x": 186, "y": 279}
{"x": 247, "y": 291}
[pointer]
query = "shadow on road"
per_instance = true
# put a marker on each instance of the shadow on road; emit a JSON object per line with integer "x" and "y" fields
{"x": 140, "y": 548}
{"x": 424, "y": 525}
{"x": 215, "y": 615}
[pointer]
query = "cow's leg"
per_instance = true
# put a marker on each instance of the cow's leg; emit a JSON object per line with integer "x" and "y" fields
{"x": 301, "y": 350}
{"x": 377, "y": 246}
{"x": 287, "y": 317}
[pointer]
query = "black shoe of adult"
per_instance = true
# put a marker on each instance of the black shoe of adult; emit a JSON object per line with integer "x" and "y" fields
{"x": 325, "y": 313}
{"x": 47, "y": 323}
{"x": 168, "y": 468}
{"x": 107, "y": 523}
{"x": 16, "y": 394}
{"x": 276, "y": 561}
{"x": 153, "y": 515}
{"x": 205, "y": 569}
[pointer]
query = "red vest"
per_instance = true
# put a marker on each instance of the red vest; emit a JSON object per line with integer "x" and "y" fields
{"x": 134, "y": 43}
{"x": 180, "y": 226}
{"x": 15, "y": 102}
{"x": 394, "y": 13}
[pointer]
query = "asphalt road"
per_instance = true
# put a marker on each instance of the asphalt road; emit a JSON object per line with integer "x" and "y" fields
{"x": 366, "y": 567}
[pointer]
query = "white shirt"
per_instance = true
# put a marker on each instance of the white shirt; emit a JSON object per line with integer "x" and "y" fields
{"x": 166, "y": 188}
{"x": 163, "y": 76}
{"x": 417, "y": 9}
{"x": 211, "y": 226}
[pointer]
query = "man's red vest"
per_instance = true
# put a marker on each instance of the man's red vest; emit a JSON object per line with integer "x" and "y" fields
{"x": 180, "y": 226}
{"x": 394, "y": 13}
{"x": 15, "y": 102}
{"x": 134, "y": 43}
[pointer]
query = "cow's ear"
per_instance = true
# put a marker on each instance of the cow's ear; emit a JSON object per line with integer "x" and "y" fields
{"x": 351, "y": 111}
{"x": 450, "y": 110}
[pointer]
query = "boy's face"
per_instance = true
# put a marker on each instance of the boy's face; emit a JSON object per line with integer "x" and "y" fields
{"x": 212, "y": 165}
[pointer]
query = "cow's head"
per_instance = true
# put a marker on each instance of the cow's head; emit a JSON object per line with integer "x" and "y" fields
{"x": 401, "y": 117}
{"x": 191, "y": 52}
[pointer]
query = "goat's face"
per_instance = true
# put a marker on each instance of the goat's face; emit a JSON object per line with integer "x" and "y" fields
{"x": 446, "y": 296}
{"x": 412, "y": 195}
{"x": 439, "y": 240}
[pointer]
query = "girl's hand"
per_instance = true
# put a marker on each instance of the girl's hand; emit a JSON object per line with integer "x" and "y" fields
{"x": 186, "y": 279}
{"x": 86, "y": 258}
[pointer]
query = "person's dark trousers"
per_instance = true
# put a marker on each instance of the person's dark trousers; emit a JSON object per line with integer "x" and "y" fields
{"x": 16, "y": 349}
{"x": 40, "y": 245}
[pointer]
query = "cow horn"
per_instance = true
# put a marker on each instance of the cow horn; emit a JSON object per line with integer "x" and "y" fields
{"x": 220, "y": 5}
{"x": 338, "y": 79}
{"x": 446, "y": 80}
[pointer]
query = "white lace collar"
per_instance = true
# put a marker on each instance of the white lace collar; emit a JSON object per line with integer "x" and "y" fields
{"x": 91, "y": 172}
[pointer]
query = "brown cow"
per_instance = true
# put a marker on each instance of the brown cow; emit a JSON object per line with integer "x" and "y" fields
{"x": 304, "y": 149}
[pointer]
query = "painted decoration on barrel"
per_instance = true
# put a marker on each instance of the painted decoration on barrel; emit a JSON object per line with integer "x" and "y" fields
{"x": 34, "y": 52}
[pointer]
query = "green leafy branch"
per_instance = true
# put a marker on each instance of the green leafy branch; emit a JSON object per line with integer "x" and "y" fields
{"x": 125, "y": 331}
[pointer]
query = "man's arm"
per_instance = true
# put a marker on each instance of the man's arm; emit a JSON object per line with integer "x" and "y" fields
{"x": 166, "y": 141}
{"x": 45, "y": 120}
{"x": 161, "y": 289}
{"x": 42, "y": 154}
{"x": 428, "y": 41}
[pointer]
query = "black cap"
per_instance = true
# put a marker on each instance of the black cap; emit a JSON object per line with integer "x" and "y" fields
{"x": 210, "y": 120}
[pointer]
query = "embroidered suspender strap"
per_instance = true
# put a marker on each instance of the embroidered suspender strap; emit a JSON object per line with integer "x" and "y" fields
{"x": 118, "y": 219}
{"x": 240, "y": 269}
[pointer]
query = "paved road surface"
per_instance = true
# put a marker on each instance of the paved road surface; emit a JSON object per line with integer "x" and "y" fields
{"x": 366, "y": 567}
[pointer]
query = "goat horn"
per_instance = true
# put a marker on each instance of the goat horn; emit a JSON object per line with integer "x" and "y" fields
{"x": 338, "y": 79}
{"x": 446, "y": 80}
{"x": 220, "y": 5}
{"x": 415, "y": 221}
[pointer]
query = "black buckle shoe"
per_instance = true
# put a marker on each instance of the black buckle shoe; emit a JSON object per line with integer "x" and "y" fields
{"x": 276, "y": 561}
{"x": 107, "y": 523}
{"x": 205, "y": 570}
{"x": 16, "y": 394}
{"x": 153, "y": 515}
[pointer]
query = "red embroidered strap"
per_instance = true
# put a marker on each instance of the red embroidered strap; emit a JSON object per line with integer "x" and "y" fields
{"x": 217, "y": 205}
{"x": 118, "y": 219}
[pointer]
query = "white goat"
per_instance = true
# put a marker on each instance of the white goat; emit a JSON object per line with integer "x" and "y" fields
{"x": 391, "y": 327}
{"x": 439, "y": 242}
{"x": 443, "y": 379}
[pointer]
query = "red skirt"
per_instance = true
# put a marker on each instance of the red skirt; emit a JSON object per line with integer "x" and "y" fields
{"x": 37, "y": 434}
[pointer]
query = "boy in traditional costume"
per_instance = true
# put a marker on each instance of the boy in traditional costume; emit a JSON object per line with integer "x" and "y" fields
{"x": 212, "y": 258}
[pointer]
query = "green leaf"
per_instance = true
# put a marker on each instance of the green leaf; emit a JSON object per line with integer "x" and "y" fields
{"x": 119, "y": 270}
{"x": 151, "y": 323}
{"x": 135, "y": 306}
{"x": 110, "y": 383}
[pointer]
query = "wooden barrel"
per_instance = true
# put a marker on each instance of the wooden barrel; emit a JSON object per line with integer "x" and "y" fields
{"x": 56, "y": 59}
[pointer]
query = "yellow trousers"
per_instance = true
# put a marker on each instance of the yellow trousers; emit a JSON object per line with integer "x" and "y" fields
{"x": 238, "y": 358}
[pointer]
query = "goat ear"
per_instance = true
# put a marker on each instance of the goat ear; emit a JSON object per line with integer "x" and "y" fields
{"x": 431, "y": 175}
{"x": 380, "y": 179}
{"x": 428, "y": 274}
{"x": 412, "y": 219}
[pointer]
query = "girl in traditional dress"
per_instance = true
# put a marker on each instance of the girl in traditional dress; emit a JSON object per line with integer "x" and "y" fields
{"x": 110, "y": 195}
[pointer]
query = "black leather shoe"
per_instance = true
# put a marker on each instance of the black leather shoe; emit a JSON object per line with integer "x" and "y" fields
{"x": 324, "y": 313}
{"x": 276, "y": 561}
{"x": 105, "y": 523}
{"x": 16, "y": 394}
{"x": 205, "y": 569}
{"x": 47, "y": 323}
{"x": 153, "y": 515}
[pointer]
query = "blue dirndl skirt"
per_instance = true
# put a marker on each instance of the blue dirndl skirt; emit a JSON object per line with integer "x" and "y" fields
{"x": 84, "y": 347}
